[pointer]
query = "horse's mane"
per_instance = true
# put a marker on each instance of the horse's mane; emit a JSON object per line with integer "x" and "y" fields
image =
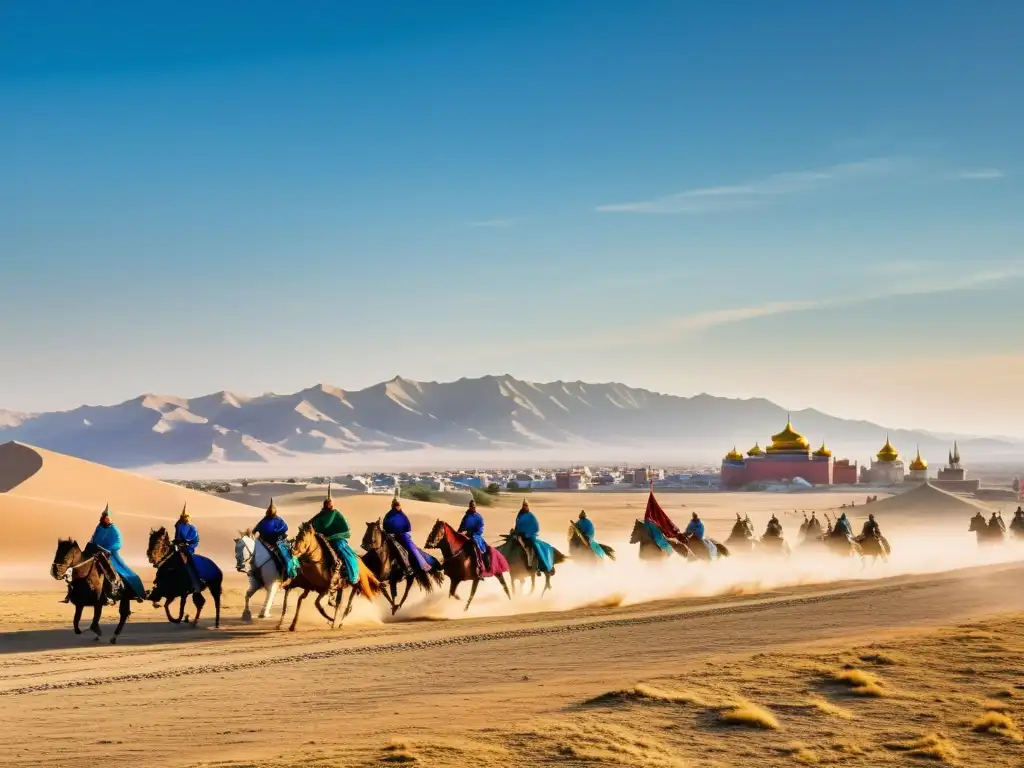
{"x": 331, "y": 557}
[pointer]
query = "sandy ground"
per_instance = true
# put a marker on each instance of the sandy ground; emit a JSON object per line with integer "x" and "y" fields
{"x": 745, "y": 662}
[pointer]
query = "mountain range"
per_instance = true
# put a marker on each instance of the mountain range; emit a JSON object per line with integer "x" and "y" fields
{"x": 469, "y": 415}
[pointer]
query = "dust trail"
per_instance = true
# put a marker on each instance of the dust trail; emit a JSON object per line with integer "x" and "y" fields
{"x": 628, "y": 581}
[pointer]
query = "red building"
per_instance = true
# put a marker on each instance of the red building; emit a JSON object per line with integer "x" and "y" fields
{"x": 787, "y": 457}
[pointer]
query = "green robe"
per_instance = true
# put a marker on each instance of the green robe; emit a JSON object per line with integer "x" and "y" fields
{"x": 333, "y": 526}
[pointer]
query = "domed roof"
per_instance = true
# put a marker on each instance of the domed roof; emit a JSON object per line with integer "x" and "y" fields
{"x": 789, "y": 440}
{"x": 824, "y": 451}
{"x": 888, "y": 452}
{"x": 734, "y": 455}
{"x": 757, "y": 450}
{"x": 918, "y": 464}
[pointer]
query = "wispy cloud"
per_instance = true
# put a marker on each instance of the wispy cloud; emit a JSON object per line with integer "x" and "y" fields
{"x": 491, "y": 224}
{"x": 980, "y": 174}
{"x": 708, "y": 199}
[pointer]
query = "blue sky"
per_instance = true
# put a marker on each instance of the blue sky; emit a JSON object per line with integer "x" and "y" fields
{"x": 814, "y": 203}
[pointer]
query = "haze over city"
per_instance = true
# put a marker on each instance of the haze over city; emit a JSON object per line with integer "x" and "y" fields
{"x": 199, "y": 200}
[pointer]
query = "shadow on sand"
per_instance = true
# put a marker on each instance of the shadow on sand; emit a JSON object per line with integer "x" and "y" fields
{"x": 142, "y": 633}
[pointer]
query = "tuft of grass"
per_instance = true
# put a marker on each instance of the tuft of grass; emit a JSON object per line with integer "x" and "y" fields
{"x": 998, "y": 724}
{"x": 642, "y": 691}
{"x": 992, "y": 705}
{"x": 826, "y": 706}
{"x": 800, "y": 752}
{"x": 881, "y": 658}
{"x": 399, "y": 753}
{"x": 933, "y": 746}
{"x": 859, "y": 682}
{"x": 751, "y": 715}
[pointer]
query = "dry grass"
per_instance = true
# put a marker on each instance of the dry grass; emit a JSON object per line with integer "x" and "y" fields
{"x": 800, "y": 752}
{"x": 644, "y": 692}
{"x": 399, "y": 753}
{"x": 997, "y": 724}
{"x": 859, "y": 682}
{"x": 826, "y": 706}
{"x": 992, "y": 705}
{"x": 933, "y": 746}
{"x": 751, "y": 715}
{"x": 882, "y": 658}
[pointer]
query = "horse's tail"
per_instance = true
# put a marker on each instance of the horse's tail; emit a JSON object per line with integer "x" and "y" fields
{"x": 437, "y": 576}
{"x": 608, "y": 551}
{"x": 369, "y": 585}
{"x": 723, "y": 551}
{"x": 557, "y": 557}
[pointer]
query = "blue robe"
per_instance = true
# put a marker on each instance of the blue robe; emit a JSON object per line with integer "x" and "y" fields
{"x": 187, "y": 533}
{"x": 696, "y": 529}
{"x": 108, "y": 538}
{"x": 658, "y": 536}
{"x": 397, "y": 524}
{"x": 473, "y": 526}
{"x": 528, "y": 527}
{"x": 586, "y": 527}
{"x": 272, "y": 531}
{"x": 843, "y": 525}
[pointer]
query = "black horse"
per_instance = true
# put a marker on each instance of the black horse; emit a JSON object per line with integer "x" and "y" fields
{"x": 173, "y": 581}
{"x": 93, "y": 583}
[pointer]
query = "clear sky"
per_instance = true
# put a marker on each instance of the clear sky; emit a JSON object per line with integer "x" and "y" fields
{"x": 820, "y": 203}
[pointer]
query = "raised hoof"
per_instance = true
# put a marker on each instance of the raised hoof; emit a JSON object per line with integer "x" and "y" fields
{"x": 394, "y": 609}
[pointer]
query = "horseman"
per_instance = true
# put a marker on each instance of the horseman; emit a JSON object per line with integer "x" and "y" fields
{"x": 996, "y": 524}
{"x": 586, "y": 528}
{"x": 843, "y": 527}
{"x": 333, "y": 526}
{"x": 272, "y": 531}
{"x": 870, "y": 529}
{"x": 695, "y": 530}
{"x": 1017, "y": 524}
{"x": 397, "y": 525}
{"x": 107, "y": 538}
{"x": 774, "y": 528}
{"x": 473, "y": 526}
{"x": 528, "y": 529}
{"x": 186, "y": 540}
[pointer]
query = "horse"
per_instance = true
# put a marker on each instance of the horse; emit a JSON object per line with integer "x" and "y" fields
{"x": 93, "y": 580}
{"x": 874, "y": 547}
{"x": 389, "y": 562}
{"x": 985, "y": 532}
{"x": 810, "y": 530}
{"x": 742, "y": 538}
{"x": 320, "y": 572}
{"x": 649, "y": 549}
{"x": 254, "y": 559}
{"x": 460, "y": 561}
{"x": 699, "y": 549}
{"x": 522, "y": 562}
{"x": 174, "y": 582}
{"x": 580, "y": 549}
{"x": 841, "y": 544}
{"x": 1017, "y": 526}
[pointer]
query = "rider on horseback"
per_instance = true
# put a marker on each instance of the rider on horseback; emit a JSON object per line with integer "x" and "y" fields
{"x": 996, "y": 523}
{"x": 472, "y": 525}
{"x": 870, "y": 529}
{"x": 397, "y": 525}
{"x": 272, "y": 531}
{"x": 1017, "y": 524}
{"x": 107, "y": 538}
{"x": 774, "y": 528}
{"x": 843, "y": 527}
{"x": 186, "y": 539}
{"x": 333, "y": 526}
{"x": 586, "y": 528}
{"x": 695, "y": 530}
{"x": 528, "y": 529}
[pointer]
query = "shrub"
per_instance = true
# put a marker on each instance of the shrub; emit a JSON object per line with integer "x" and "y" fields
{"x": 420, "y": 493}
{"x": 482, "y": 498}
{"x": 512, "y": 485}
{"x": 493, "y": 489}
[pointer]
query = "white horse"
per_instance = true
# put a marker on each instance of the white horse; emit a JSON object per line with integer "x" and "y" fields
{"x": 253, "y": 558}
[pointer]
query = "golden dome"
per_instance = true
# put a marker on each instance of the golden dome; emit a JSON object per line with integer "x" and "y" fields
{"x": 757, "y": 450}
{"x": 789, "y": 440}
{"x": 734, "y": 455}
{"x": 888, "y": 452}
{"x": 919, "y": 464}
{"x": 824, "y": 452}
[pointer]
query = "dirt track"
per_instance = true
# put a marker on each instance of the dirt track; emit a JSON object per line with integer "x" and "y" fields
{"x": 211, "y": 684}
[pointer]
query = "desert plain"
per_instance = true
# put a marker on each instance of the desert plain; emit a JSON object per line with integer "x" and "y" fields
{"x": 809, "y": 660}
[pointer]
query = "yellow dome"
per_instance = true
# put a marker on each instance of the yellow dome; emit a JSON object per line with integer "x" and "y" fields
{"x": 824, "y": 451}
{"x": 919, "y": 464}
{"x": 757, "y": 450}
{"x": 789, "y": 440}
{"x": 734, "y": 455}
{"x": 888, "y": 452}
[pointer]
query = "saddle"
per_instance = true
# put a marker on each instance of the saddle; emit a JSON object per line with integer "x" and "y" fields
{"x": 400, "y": 554}
{"x": 531, "y": 553}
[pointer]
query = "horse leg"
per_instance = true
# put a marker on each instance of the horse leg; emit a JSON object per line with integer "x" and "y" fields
{"x": 215, "y": 593}
{"x": 351, "y": 599}
{"x": 97, "y": 611}
{"x": 504, "y": 585}
{"x": 472, "y": 593}
{"x": 337, "y": 607}
{"x": 126, "y": 611}
{"x": 298, "y": 607}
{"x": 320, "y": 606}
{"x": 268, "y": 604}
{"x": 453, "y": 584}
{"x": 199, "y": 601}
{"x": 533, "y": 583}
{"x": 253, "y": 586}
{"x": 78, "y": 618}
{"x": 547, "y": 584}
{"x": 284, "y": 609}
{"x": 408, "y": 587}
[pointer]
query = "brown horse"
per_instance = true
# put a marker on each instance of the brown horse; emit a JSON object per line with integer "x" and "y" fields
{"x": 874, "y": 547}
{"x": 650, "y": 549}
{"x": 522, "y": 562}
{"x": 390, "y": 563}
{"x": 93, "y": 581}
{"x": 986, "y": 532}
{"x": 580, "y": 549}
{"x": 460, "y": 563}
{"x": 742, "y": 538}
{"x": 320, "y": 572}
{"x": 173, "y": 581}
